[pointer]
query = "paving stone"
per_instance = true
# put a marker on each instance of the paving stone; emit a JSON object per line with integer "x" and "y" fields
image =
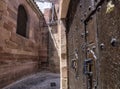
{"x": 43, "y": 80}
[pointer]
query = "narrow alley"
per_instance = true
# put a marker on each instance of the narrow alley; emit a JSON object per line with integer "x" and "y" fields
{"x": 42, "y": 80}
{"x": 59, "y": 44}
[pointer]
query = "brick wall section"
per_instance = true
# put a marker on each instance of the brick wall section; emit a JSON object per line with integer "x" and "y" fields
{"x": 19, "y": 55}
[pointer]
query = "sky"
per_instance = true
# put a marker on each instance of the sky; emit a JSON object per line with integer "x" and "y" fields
{"x": 43, "y": 5}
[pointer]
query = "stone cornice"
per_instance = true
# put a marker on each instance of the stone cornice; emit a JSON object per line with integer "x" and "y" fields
{"x": 35, "y": 8}
{"x": 64, "y": 5}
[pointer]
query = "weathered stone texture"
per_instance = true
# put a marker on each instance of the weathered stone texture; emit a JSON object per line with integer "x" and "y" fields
{"x": 93, "y": 33}
{"x": 63, "y": 52}
{"x": 19, "y": 56}
{"x": 54, "y": 58}
{"x": 108, "y": 29}
{"x": 54, "y": 40}
{"x": 75, "y": 42}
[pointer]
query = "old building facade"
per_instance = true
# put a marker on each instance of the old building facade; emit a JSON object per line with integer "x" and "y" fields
{"x": 28, "y": 42}
{"x": 93, "y": 44}
{"x": 80, "y": 39}
{"x": 23, "y": 40}
{"x": 51, "y": 18}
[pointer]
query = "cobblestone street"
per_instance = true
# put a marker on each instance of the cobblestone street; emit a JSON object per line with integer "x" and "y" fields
{"x": 43, "y": 80}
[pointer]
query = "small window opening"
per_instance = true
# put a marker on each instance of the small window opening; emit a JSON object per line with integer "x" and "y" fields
{"x": 22, "y": 21}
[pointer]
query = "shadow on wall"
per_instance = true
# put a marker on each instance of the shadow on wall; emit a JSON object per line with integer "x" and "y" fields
{"x": 54, "y": 58}
{"x": 19, "y": 54}
{"x": 50, "y": 41}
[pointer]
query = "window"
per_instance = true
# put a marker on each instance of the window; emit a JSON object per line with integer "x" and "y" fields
{"x": 22, "y": 21}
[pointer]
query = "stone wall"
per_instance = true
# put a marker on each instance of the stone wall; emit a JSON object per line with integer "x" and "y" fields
{"x": 63, "y": 60}
{"x": 93, "y": 44}
{"x": 54, "y": 40}
{"x": 75, "y": 45}
{"x": 19, "y": 55}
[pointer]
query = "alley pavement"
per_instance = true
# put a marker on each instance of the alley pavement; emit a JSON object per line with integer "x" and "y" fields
{"x": 43, "y": 80}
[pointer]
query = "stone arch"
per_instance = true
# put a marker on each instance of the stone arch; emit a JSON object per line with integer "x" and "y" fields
{"x": 22, "y": 21}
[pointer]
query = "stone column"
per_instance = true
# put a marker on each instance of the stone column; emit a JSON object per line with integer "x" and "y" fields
{"x": 63, "y": 57}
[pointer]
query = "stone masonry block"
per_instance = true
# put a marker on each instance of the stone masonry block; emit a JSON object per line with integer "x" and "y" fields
{"x": 64, "y": 72}
{"x": 4, "y": 34}
{"x": 8, "y": 26}
{"x": 12, "y": 14}
{"x": 10, "y": 44}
